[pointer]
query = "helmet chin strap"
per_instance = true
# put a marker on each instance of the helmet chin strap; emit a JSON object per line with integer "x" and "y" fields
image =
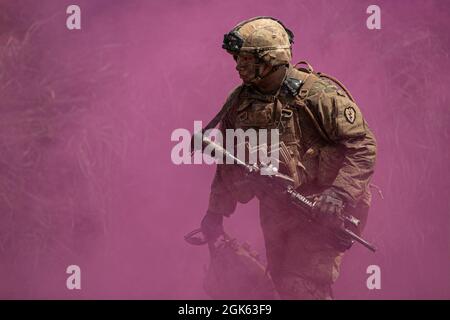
{"x": 257, "y": 75}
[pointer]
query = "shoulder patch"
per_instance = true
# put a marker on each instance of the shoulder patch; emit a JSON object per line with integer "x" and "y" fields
{"x": 350, "y": 114}
{"x": 292, "y": 86}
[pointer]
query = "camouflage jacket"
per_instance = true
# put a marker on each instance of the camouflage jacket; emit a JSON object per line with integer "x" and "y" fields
{"x": 329, "y": 142}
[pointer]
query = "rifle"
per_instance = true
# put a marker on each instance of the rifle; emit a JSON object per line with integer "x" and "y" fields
{"x": 281, "y": 188}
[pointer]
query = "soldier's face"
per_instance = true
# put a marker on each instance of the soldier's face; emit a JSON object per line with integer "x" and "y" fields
{"x": 249, "y": 68}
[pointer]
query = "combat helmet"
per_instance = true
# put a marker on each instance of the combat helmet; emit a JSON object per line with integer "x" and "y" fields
{"x": 266, "y": 37}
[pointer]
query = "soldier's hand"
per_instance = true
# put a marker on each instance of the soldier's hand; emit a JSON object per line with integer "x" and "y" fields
{"x": 328, "y": 207}
{"x": 212, "y": 226}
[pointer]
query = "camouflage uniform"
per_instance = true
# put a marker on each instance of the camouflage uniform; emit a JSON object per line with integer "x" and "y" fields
{"x": 330, "y": 145}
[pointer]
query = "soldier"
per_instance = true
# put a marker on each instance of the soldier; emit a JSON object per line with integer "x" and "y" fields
{"x": 326, "y": 148}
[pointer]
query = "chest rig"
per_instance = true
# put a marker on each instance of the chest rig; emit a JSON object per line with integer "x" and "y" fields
{"x": 300, "y": 134}
{"x": 255, "y": 110}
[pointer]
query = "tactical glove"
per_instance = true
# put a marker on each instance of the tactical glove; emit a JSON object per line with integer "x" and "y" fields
{"x": 329, "y": 206}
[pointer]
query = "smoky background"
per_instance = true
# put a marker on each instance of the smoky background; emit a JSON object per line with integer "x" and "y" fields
{"x": 85, "y": 124}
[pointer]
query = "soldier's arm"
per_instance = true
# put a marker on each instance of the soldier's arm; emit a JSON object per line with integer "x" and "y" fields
{"x": 221, "y": 199}
{"x": 224, "y": 195}
{"x": 344, "y": 124}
